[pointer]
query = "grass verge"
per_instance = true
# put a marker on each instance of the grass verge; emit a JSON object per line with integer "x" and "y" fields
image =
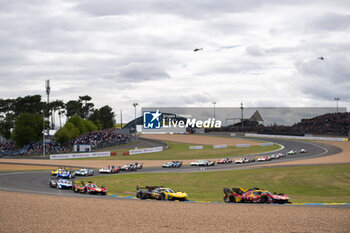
{"x": 180, "y": 151}
{"x": 329, "y": 183}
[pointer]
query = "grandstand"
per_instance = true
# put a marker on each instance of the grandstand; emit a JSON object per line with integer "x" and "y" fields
{"x": 330, "y": 124}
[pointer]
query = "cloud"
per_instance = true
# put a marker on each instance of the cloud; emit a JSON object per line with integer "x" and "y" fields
{"x": 326, "y": 79}
{"x": 332, "y": 22}
{"x": 259, "y": 52}
{"x": 255, "y": 50}
{"x": 137, "y": 72}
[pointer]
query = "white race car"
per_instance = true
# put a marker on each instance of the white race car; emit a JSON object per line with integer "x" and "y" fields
{"x": 241, "y": 160}
{"x": 203, "y": 163}
{"x": 85, "y": 172}
{"x": 303, "y": 150}
{"x": 61, "y": 184}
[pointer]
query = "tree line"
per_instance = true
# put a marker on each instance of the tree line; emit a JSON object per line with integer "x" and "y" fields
{"x": 23, "y": 119}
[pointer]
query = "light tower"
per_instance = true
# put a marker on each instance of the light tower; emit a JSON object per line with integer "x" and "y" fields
{"x": 47, "y": 86}
{"x": 135, "y": 104}
{"x": 48, "y": 101}
{"x": 337, "y": 100}
{"x": 242, "y": 113}
{"x": 214, "y": 108}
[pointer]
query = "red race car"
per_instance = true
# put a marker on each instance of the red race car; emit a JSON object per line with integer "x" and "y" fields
{"x": 254, "y": 195}
{"x": 89, "y": 187}
{"x": 223, "y": 161}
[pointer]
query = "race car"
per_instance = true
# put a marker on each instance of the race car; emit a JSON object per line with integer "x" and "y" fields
{"x": 303, "y": 151}
{"x": 60, "y": 184}
{"x": 89, "y": 188}
{"x": 172, "y": 164}
{"x": 131, "y": 167}
{"x": 109, "y": 169}
{"x": 240, "y": 160}
{"x": 264, "y": 158}
{"x": 55, "y": 172}
{"x": 224, "y": 161}
{"x": 160, "y": 193}
{"x": 66, "y": 174}
{"x": 85, "y": 172}
{"x": 291, "y": 152}
{"x": 203, "y": 163}
{"x": 254, "y": 195}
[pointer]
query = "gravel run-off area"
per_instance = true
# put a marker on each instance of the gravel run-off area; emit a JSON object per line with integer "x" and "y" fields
{"x": 42, "y": 213}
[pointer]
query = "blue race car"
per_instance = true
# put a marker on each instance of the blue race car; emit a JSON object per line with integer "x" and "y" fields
{"x": 65, "y": 175}
{"x": 172, "y": 164}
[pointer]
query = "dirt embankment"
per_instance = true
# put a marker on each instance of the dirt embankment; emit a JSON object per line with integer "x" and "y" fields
{"x": 41, "y": 213}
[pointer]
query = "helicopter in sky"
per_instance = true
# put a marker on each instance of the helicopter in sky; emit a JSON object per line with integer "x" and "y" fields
{"x": 197, "y": 49}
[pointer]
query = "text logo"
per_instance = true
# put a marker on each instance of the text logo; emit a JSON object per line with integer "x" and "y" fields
{"x": 151, "y": 120}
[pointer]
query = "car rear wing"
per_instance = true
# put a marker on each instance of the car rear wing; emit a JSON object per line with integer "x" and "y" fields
{"x": 227, "y": 191}
{"x": 148, "y": 187}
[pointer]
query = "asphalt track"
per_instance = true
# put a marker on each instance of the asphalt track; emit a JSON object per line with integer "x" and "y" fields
{"x": 38, "y": 181}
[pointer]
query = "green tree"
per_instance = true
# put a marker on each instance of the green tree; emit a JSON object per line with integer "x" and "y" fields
{"x": 78, "y": 123}
{"x": 28, "y": 128}
{"x": 74, "y": 107}
{"x": 66, "y": 133}
{"x": 107, "y": 117}
{"x": 6, "y": 124}
{"x": 28, "y": 104}
{"x": 90, "y": 126}
{"x": 52, "y": 107}
{"x": 95, "y": 117}
{"x": 87, "y": 107}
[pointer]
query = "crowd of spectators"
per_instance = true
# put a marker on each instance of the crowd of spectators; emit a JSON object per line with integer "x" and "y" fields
{"x": 101, "y": 138}
{"x": 97, "y": 139}
{"x": 7, "y": 147}
{"x": 332, "y": 124}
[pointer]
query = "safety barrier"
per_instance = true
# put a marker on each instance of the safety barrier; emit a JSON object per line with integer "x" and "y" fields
{"x": 195, "y": 147}
{"x": 219, "y": 146}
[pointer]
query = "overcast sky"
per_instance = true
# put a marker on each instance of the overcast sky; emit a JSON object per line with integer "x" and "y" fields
{"x": 264, "y": 53}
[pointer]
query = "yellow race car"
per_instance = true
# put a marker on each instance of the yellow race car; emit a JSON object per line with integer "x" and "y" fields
{"x": 160, "y": 193}
{"x": 55, "y": 172}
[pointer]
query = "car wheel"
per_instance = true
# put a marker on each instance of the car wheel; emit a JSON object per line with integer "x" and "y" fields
{"x": 139, "y": 195}
{"x": 226, "y": 199}
{"x": 162, "y": 196}
{"x": 75, "y": 189}
{"x": 264, "y": 199}
{"x": 85, "y": 190}
{"x": 232, "y": 199}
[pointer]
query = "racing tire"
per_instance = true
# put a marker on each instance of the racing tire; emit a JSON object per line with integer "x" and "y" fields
{"x": 139, "y": 195}
{"x": 85, "y": 190}
{"x": 162, "y": 197}
{"x": 226, "y": 199}
{"x": 232, "y": 199}
{"x": 264, "y": 200}
{"x": 75, "y": 189}
{"x": 144, "y": 196}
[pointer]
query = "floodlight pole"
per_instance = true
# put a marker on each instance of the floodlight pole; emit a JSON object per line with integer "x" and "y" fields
{"x": 214, "y": 108}
{"x": 242, "y": 113}
{"x": 337, "y": 100}
{"x": 135, "y": 104}
{"x": 121, "y": 118}
{"x": 43, "y": 133}
{"x": 47, "y": 86}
